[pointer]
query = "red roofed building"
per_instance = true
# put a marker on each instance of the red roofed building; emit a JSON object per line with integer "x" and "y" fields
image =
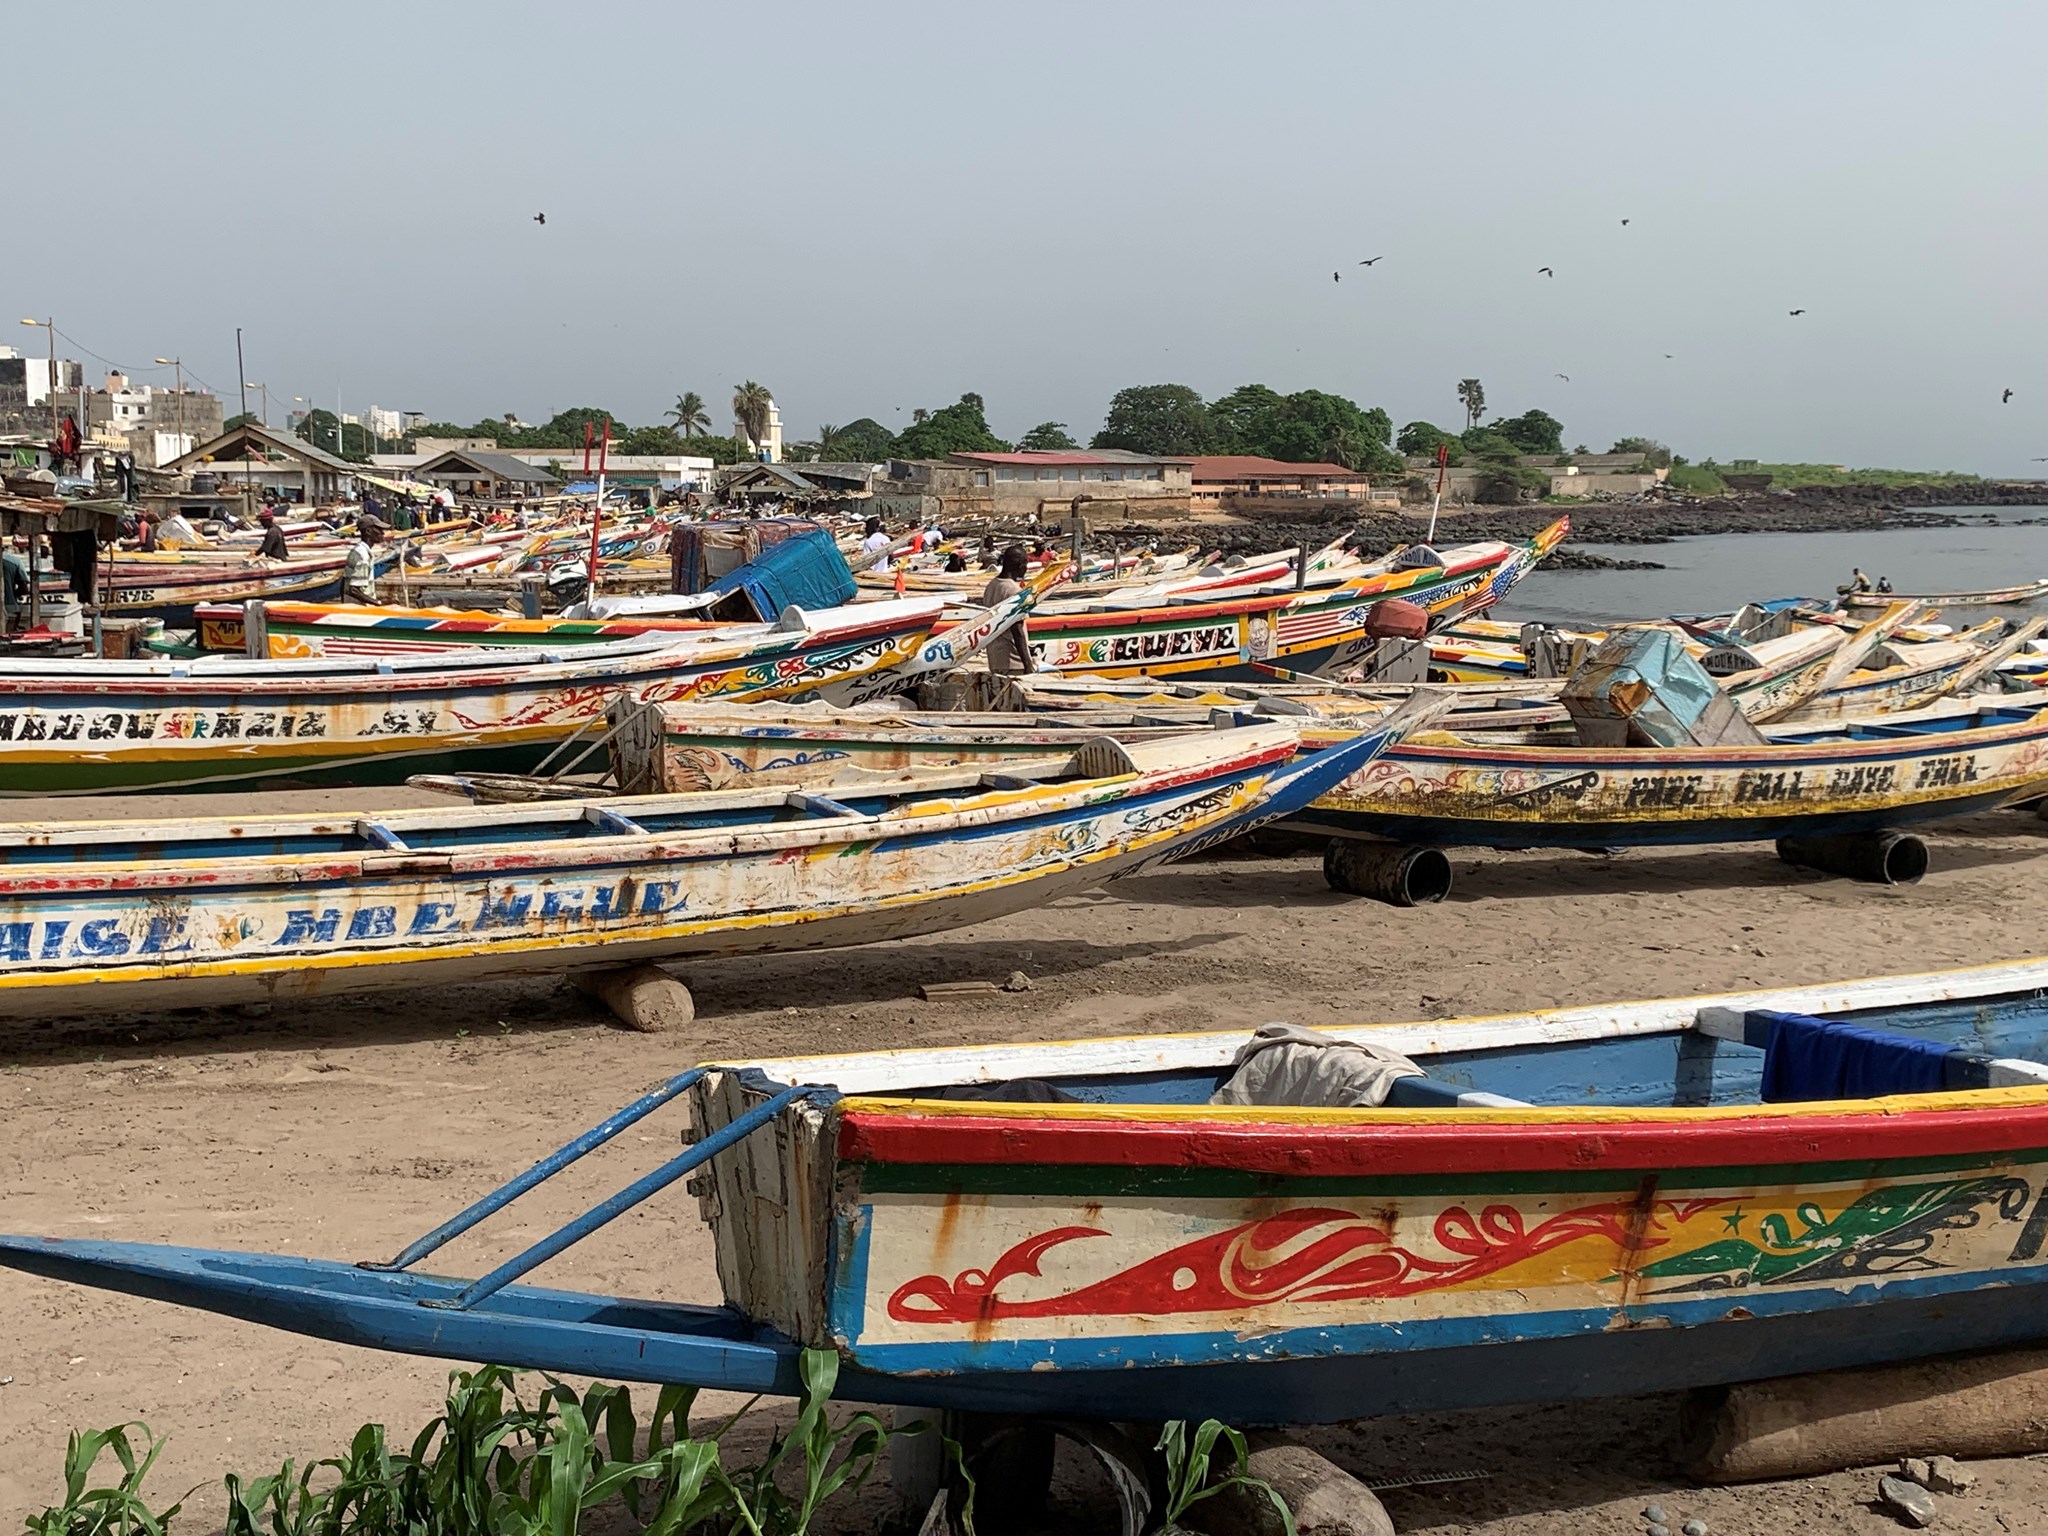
{"x": 1218, "y": 478}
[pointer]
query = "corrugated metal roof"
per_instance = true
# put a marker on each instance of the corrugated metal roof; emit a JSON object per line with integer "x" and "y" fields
{"x": 1249, "y": 466}
{"x": 782, "y": 474}
{"x": 1069, "y": 458}
{"x": 502, "y": 466}
{"x": 269, "y": 437}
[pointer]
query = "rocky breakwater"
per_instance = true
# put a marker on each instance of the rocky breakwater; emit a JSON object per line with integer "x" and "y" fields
{"x": 1652, "y": 520}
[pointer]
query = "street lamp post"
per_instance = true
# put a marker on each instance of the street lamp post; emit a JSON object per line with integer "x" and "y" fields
{"x": 178, "y": 363}
{"x": 51, "y": 381}
{"x": 252, "y": 384}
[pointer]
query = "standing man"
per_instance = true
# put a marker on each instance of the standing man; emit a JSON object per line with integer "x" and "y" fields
{"x": 1010, "y": 652}
{"x": 876, "y": 545}
{"x": 359, "y": 575}
{"x": 273, "y": 546}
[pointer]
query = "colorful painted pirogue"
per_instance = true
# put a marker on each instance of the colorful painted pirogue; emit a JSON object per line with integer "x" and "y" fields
{"x": 1953, "y": 759}
{"x": 1642, "y": 1195}
{"x": 74, "y": 727}
{"x": 2025, "y": 592}
{"x": 1311, "y": 632}
{"x": 100, "y": 915}
{"x": 170, "y": 586}
{"x": 1459, "y": 783}
{"x": 1230, "y": 628}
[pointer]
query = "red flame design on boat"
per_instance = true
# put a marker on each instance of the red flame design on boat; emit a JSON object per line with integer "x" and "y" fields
{"x": 1309, "y": 1255}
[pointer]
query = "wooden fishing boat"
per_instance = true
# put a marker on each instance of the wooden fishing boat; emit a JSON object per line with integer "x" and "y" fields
{"x": 666, "y": 748}
{"x": 1641, "y": 1196}
{"x": 1500, "y": 775}
{"x": 166, "y": 914}
{"x": 1232, "y": 623}
{"x": 1859, "y": 776}
{"x": 1311, "y": 632}
{"x": 1996, "y": 597}
{"x": 84, "y": 726}
{"x": 170, "y": 587}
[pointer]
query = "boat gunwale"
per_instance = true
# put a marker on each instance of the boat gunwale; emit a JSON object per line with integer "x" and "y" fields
{"x": 981, "y": 808}
{"x": 1197, "y": 1049}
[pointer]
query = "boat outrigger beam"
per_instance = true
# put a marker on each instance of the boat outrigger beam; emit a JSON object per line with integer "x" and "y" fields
{"x": 604, "y": 1211}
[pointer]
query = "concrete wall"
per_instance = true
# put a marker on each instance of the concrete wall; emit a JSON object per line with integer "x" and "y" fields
{"x": 1601, "y": 485}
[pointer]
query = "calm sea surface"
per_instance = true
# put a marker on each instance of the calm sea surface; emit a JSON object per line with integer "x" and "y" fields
{"x": 1718, "y": 572}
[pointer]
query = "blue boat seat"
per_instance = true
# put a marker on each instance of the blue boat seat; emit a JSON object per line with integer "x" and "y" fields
{"x": 1435, "y": 1093}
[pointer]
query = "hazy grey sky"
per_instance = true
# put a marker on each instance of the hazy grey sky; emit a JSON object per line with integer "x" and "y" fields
{"x": 875, "y": 207}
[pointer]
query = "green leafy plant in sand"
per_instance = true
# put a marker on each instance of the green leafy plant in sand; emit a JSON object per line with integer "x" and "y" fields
{"x": 489, "y": 1465}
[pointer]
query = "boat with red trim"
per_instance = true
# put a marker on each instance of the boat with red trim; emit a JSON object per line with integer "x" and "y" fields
{"x": 1288, "y": 1227}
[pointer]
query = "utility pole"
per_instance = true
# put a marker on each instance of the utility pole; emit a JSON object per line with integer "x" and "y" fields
{"x": 242, "y": 374}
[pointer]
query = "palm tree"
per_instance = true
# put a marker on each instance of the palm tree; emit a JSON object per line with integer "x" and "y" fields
{"x": 1473, "y": 394}
{"x": 826, "y": 433}
{"x": 689, "y": 414}
{"x": 750, "y": 403}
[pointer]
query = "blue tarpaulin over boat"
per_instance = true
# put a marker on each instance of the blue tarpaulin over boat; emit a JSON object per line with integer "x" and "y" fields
{"x": 805, "y": 568}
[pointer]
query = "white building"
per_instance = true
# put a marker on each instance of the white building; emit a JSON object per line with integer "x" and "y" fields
{"x": 383, "y": 423}
{"x": 31, "y": 376}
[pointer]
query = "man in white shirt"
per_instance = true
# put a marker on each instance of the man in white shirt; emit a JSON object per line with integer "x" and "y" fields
{"x": 876, "y": 545}
{"x": 359, "y": 574}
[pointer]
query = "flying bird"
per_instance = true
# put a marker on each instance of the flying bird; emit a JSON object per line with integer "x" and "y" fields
{"x": 1624, "y": 223}
{"x": 1667, "y": 354}
{"x": 1566, "y": 377}
{"x": 540, "y": 218}
{"x": 1336, "y": 277}
{"x": 2006, "y": 399}
{"x": 1370, "y": 260}
{"x": 1795, "y": 311}
{"x": 1546, "y": 271}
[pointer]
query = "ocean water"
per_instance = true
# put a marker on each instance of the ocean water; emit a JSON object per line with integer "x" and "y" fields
{"x": 1716, "y": 573}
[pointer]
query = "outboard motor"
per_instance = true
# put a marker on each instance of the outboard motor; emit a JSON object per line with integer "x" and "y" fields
{"x": 568, "y": 582}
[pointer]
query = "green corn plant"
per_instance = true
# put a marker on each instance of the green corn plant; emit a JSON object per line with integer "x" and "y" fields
{"x": 489, "y": 1465}
{"x": 1189, "y": 1463}
{"x": 115, "y": 1511}
{"x": 834, "y": 1457}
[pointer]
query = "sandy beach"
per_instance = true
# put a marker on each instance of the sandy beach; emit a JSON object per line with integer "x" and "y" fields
{"x": 345, "y": 1127}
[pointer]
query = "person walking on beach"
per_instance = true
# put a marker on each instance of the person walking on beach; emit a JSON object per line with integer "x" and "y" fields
{"x": 359, "y": 575}
{"x": 1010, "y": 652}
